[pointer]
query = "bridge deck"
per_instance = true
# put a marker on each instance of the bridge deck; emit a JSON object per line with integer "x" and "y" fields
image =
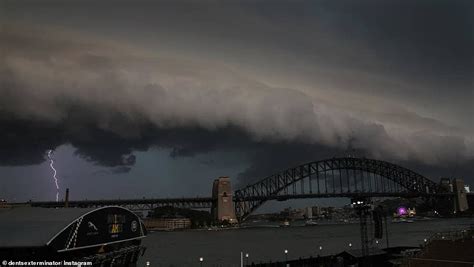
{"x": 343, "y": 195}
{"x": 206, "y": 202}
{"x": 141, "y": 204}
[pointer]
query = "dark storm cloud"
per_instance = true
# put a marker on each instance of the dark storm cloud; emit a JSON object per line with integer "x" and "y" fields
{"x": 417, "y": 39}
{"x": 25, "y": 142}
{"x": 268, "y": 159}
{"x": 271, "y": 159}
{"x": 428, "y": 38}
{"x": 109, "y": 101}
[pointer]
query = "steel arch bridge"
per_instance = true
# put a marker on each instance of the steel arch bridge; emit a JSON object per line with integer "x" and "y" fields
{"x": 330, "y": 178}
{"x": 336, "y": 177}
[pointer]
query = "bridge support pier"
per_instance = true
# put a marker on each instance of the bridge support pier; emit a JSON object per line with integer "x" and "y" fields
{"x": 460, "y": 198}
{"x": 457, "y": 202}
{"x": 223, "y": 206}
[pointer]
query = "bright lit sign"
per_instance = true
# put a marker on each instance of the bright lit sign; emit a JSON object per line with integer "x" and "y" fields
{"x": 402, "y": 211}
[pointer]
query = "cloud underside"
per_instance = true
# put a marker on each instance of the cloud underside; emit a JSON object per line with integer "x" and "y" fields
{"x": 109, "y": 101}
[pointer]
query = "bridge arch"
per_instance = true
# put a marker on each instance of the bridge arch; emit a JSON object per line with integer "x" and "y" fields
{"x": 349, "y": 171}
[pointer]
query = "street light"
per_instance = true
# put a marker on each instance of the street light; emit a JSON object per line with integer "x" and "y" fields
{"x": 147, "y": 263}
{"x": 286, "y": 255}
{"x": 201, "y": 259}
{"x": 246, "y": 259}
{"x": 350, "y": 244}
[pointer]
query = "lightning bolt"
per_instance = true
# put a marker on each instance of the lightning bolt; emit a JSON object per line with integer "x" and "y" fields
{"x": 51, "y": 164}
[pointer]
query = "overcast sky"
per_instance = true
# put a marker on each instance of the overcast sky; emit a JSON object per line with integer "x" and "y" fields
{"x": 158, "y": 98}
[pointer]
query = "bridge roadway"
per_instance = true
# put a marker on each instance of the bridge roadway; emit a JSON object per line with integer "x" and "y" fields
{"x": 207, "y": 202}
{"x": 341, "y": 195}
{"x": 133, "y": 204}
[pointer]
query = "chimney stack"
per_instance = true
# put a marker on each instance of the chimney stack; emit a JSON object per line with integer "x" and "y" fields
{"x": 66, "y": 199}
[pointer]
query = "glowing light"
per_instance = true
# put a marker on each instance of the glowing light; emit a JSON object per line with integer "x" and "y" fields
{"x": 51, "y": 164}
{"x": 402, "y": 211}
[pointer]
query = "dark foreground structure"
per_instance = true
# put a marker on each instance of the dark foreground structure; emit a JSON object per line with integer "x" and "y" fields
{"x": 447, "y": 249}
{"x": 353, "y": 257}
{"x": 107, "y": 236}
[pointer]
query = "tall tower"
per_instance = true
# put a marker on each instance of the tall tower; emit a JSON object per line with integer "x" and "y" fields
{"x": 460, "y": 199}
{"x": 223, "y": 207}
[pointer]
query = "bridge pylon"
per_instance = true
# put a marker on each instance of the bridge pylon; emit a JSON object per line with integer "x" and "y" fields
{"x": 223, "y": 204}
{"x": 460, "y": 199}
{"x": 455, "y": 203}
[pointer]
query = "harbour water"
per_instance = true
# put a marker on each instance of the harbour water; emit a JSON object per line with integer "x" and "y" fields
{"x": 266, "y": 241}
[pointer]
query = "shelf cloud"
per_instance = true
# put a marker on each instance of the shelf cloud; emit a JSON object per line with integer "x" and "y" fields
{"x": 109, "y": 100}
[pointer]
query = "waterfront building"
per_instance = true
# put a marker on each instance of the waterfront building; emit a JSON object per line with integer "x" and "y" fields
{"x": 167, "y": 223}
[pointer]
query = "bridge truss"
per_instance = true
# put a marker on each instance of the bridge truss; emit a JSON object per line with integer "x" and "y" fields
{"x": 336, "y": 177}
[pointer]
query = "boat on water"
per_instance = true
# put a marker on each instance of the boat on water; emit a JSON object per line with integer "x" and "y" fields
{"x": 310, "y": 223}
{"x": 285, "y": 223}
